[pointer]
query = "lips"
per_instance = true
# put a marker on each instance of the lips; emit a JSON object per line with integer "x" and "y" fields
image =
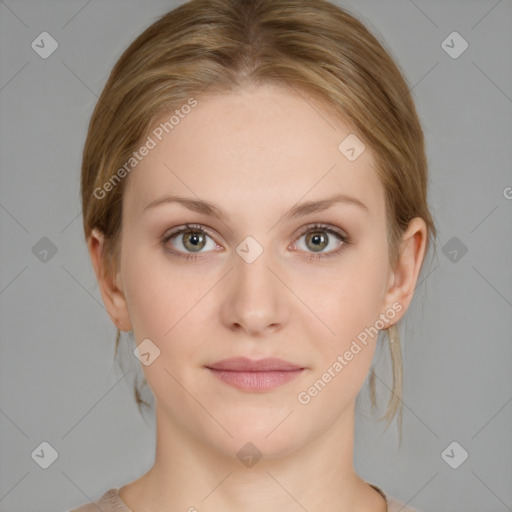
{"x": 250, "y": 375}
{"x": 244, "y": 364}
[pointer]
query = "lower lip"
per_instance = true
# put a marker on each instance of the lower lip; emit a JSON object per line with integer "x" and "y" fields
{"x": 256, "y": 381}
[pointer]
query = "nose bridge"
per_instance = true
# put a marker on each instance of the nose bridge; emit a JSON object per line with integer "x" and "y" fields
{"x": 256, "y": 300}
{"x": 251, "y": 267}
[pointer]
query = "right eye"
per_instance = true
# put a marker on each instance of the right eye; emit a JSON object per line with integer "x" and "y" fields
{"x": 191, "y": 237}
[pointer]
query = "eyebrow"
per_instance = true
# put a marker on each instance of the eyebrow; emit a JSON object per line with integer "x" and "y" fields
{"x": 300, "y": 210}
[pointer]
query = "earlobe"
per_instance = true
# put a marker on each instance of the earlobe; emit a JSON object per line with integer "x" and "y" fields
{"x": 404, "y": 277}
{"x": 111, "y": 293}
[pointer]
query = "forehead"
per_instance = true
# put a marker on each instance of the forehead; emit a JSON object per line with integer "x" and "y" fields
{"x": 265, "y": 145}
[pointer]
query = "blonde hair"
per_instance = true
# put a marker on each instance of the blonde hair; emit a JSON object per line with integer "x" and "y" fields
{"x": 218, "y": 46}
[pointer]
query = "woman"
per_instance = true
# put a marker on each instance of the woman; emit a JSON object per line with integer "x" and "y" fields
{"x": 254, "y": 189}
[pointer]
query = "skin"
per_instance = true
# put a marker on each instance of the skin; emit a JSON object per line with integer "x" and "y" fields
{"x": 255, "y": 154}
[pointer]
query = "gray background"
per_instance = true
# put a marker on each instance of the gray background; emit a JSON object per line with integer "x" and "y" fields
{"x": 58, "y": 380}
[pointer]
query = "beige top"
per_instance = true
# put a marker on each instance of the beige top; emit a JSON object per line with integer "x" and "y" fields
{"x": 112, "y": 502}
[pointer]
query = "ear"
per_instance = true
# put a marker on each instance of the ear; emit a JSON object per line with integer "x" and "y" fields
{"x": 403, "y": 278}
{"x": 110, "y": 288}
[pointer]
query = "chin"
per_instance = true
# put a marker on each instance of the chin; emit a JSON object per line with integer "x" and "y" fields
{"x": 268, "y": 437}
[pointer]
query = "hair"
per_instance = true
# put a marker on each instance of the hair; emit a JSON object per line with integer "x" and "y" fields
{"x": 221, "y": 46}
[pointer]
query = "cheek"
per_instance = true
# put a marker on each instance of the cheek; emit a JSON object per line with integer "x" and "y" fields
{"x": 160, "y": 295}
{"x": 165, "y": 307}
{"x": 355, "y": 296}
{"x": 350, "y": 306}
{"x": 344, "y": 358}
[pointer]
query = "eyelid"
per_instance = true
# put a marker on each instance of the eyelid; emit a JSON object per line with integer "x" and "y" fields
{"x": 171, "y": 233}
{"x": 303, "y": 230}
{"x": 321, "y": 225}
{"x": 185, "y": 227}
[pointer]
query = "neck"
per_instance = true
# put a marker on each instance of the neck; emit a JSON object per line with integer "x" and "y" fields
{"x": 192, "y": 473}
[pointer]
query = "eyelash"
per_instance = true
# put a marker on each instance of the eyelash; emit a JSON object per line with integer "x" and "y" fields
{"x": 314, "y": 227}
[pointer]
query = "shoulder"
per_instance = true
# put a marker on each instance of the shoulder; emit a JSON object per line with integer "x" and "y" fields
{"x": 109, "y": 502}
{"x": 397, "y": 506}
{"x": 393, "y": 505}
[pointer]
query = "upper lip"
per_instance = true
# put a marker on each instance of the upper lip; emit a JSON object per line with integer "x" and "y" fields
{"x": 244, "y": 364}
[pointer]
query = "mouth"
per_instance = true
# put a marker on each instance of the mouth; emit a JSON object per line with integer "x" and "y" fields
{"x": 255, "y": 375}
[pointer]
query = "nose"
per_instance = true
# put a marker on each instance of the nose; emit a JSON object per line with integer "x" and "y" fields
{"x": 255, "y": 299}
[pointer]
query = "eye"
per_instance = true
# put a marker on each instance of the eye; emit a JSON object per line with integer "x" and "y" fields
{"x": 320, "y": 236}
{"x": 191, "y": 237}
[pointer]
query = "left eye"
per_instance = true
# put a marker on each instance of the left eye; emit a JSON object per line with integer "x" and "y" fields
{"x": 191, "y": 239}
{"x": 319, "y": 238}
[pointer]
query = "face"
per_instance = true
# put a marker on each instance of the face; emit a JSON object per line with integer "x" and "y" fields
{"x": 256, "y": 281}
